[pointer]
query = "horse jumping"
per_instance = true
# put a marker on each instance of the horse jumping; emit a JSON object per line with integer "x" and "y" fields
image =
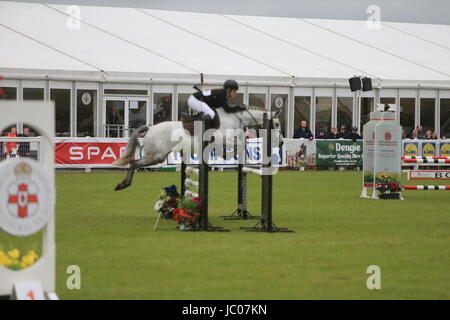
{"x": 168, "y": 136}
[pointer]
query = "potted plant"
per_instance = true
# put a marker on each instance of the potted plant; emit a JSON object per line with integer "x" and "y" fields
{"x": 388, "y": 186}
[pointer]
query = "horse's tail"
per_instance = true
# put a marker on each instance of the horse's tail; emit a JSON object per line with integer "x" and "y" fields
{"x": 133, "y": 142}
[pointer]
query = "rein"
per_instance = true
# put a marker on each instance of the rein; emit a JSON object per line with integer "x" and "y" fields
{"x": 258, "y": 126}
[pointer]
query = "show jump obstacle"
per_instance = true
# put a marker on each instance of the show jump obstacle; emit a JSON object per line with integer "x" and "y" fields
{"x": 265, "y": 223}
{"x": 381, "y": 149}
{"x": 427, "y": 175}
{"x": 382, "y": 155}
{"x": 197, "y": 178}
{"x": 27, "y": 202}
{"x": 188, "y": 182}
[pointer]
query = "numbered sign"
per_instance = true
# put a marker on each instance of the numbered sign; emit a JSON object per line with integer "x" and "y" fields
{"x": 30, "y": 290}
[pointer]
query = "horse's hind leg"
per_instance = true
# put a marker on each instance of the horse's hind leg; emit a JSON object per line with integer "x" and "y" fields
{"x": 134, "y": 165}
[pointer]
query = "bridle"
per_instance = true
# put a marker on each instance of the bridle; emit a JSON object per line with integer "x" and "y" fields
{"x": 258, "y": 126}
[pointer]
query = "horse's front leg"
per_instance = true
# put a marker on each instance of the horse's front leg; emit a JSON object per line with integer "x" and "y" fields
{"x": 134, "y": 165}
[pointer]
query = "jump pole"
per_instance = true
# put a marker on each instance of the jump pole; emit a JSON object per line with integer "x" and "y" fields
{"x": 424, "y": 157}
{"x": 426, "y": 160}
{"x": 266, "y": 223}
{"x": 203, "y": 170}
{"x": 426, "y": 187}
{"x": 241, "y": 213}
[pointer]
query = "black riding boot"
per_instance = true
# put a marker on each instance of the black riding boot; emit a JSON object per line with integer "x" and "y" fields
{"x": 207, "y": 120}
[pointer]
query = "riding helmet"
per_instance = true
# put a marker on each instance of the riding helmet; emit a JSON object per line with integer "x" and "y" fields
{"x": 231, "y": 84}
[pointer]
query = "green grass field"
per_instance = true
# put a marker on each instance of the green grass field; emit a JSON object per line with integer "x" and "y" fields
{"x": 337, "y": 236}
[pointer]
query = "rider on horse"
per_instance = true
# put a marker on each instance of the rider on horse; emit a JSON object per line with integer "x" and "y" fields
{"x": 205, "y": 101}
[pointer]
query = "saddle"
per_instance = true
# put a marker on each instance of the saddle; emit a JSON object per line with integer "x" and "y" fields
{"x": 188, "y": 122}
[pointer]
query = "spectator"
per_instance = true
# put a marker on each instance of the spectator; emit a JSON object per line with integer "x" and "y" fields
{"x": 434, "y": 135}
{"x": 403, "y": 134}
{"x": 333, "y": 133}
{"x": 24, "y": 147}
{"x": 420, "y": 134}
{"x": 303, "y": 132}
{"x": 428, "y": 135}
{"x": 354, "y": 134}
{"x": 443, "y": 138}
{"x": 11, "y": 147}
{"x": 414, "y": 135}
{"x": 321, "y": 134}
{"x": 343, "y": 134}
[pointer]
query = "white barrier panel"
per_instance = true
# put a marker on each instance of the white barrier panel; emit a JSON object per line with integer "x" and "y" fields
{"x": 428, "y": 175}
{"x": 27, "y": 200}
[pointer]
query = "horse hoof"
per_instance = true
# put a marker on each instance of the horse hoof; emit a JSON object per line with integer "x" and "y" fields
{"x": 120, "y": 186}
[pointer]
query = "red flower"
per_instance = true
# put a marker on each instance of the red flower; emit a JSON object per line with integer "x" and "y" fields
{"x": 394, "y": 186}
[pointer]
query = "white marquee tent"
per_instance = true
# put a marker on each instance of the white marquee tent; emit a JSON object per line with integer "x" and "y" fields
{"x": 128, "y": 40}
{"x": 132, "y": 45}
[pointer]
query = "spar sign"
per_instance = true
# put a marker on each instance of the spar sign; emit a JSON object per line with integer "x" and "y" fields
{"x": 90, "y": 152}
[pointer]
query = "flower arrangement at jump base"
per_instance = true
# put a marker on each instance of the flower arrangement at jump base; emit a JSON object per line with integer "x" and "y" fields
{"x": 168, "y": 201}
{"x": 188, "y": 213}
{"x": 12, "y": 259}
{"x": 185, "y": 211}
{"x": 388, "y": 186}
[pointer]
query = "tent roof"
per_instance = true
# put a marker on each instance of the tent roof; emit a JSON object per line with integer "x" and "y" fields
{"x": 148, "y": 42}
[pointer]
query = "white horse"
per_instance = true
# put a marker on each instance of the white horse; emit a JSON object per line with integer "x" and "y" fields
{"x": 165, "y": 137}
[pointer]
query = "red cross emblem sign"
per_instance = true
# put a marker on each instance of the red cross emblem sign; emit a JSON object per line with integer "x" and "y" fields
{"x": 27, "y": 196}
{"x": 22, "y": 199}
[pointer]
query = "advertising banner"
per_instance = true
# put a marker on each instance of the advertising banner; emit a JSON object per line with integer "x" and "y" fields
{"x": 300, "y": 153}
{"x": 411, "y": 148}
{"x": 338, "y": 153}
{"x": 429, "y": 148}
{"x": 253, "y": 156}
{"x": 444, "y": 148}
{"x": 102, "y": 152}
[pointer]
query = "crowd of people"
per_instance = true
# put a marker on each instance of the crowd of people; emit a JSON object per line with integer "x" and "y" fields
{"x": 13, "y": 149}
{"x": 343, "y": 133}
{"x": 420, "y": 133}
{"x": 305, "y": 133}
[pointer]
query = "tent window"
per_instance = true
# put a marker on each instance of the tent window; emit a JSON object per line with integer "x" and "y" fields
{"x": 445, "y": 118}
{"x": 366, "y": 108}
{"x": 323, "y": 113}
{"x": 257, "y": 100}
{"x": 407, "y": 107}
{"x": 33, "y": 94}
{"x": 344, "y": 111}
{"x": 282, "y": 115}
{"x": 9, "y": 93}
{"x": 302, "y": 111}
{"x": 183, "y": 105}
{"x": 427, "y": 113}
{"x": 62, "y": 111}
{"x": 86, "y": 104}
{"x": 162, "y": 107}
